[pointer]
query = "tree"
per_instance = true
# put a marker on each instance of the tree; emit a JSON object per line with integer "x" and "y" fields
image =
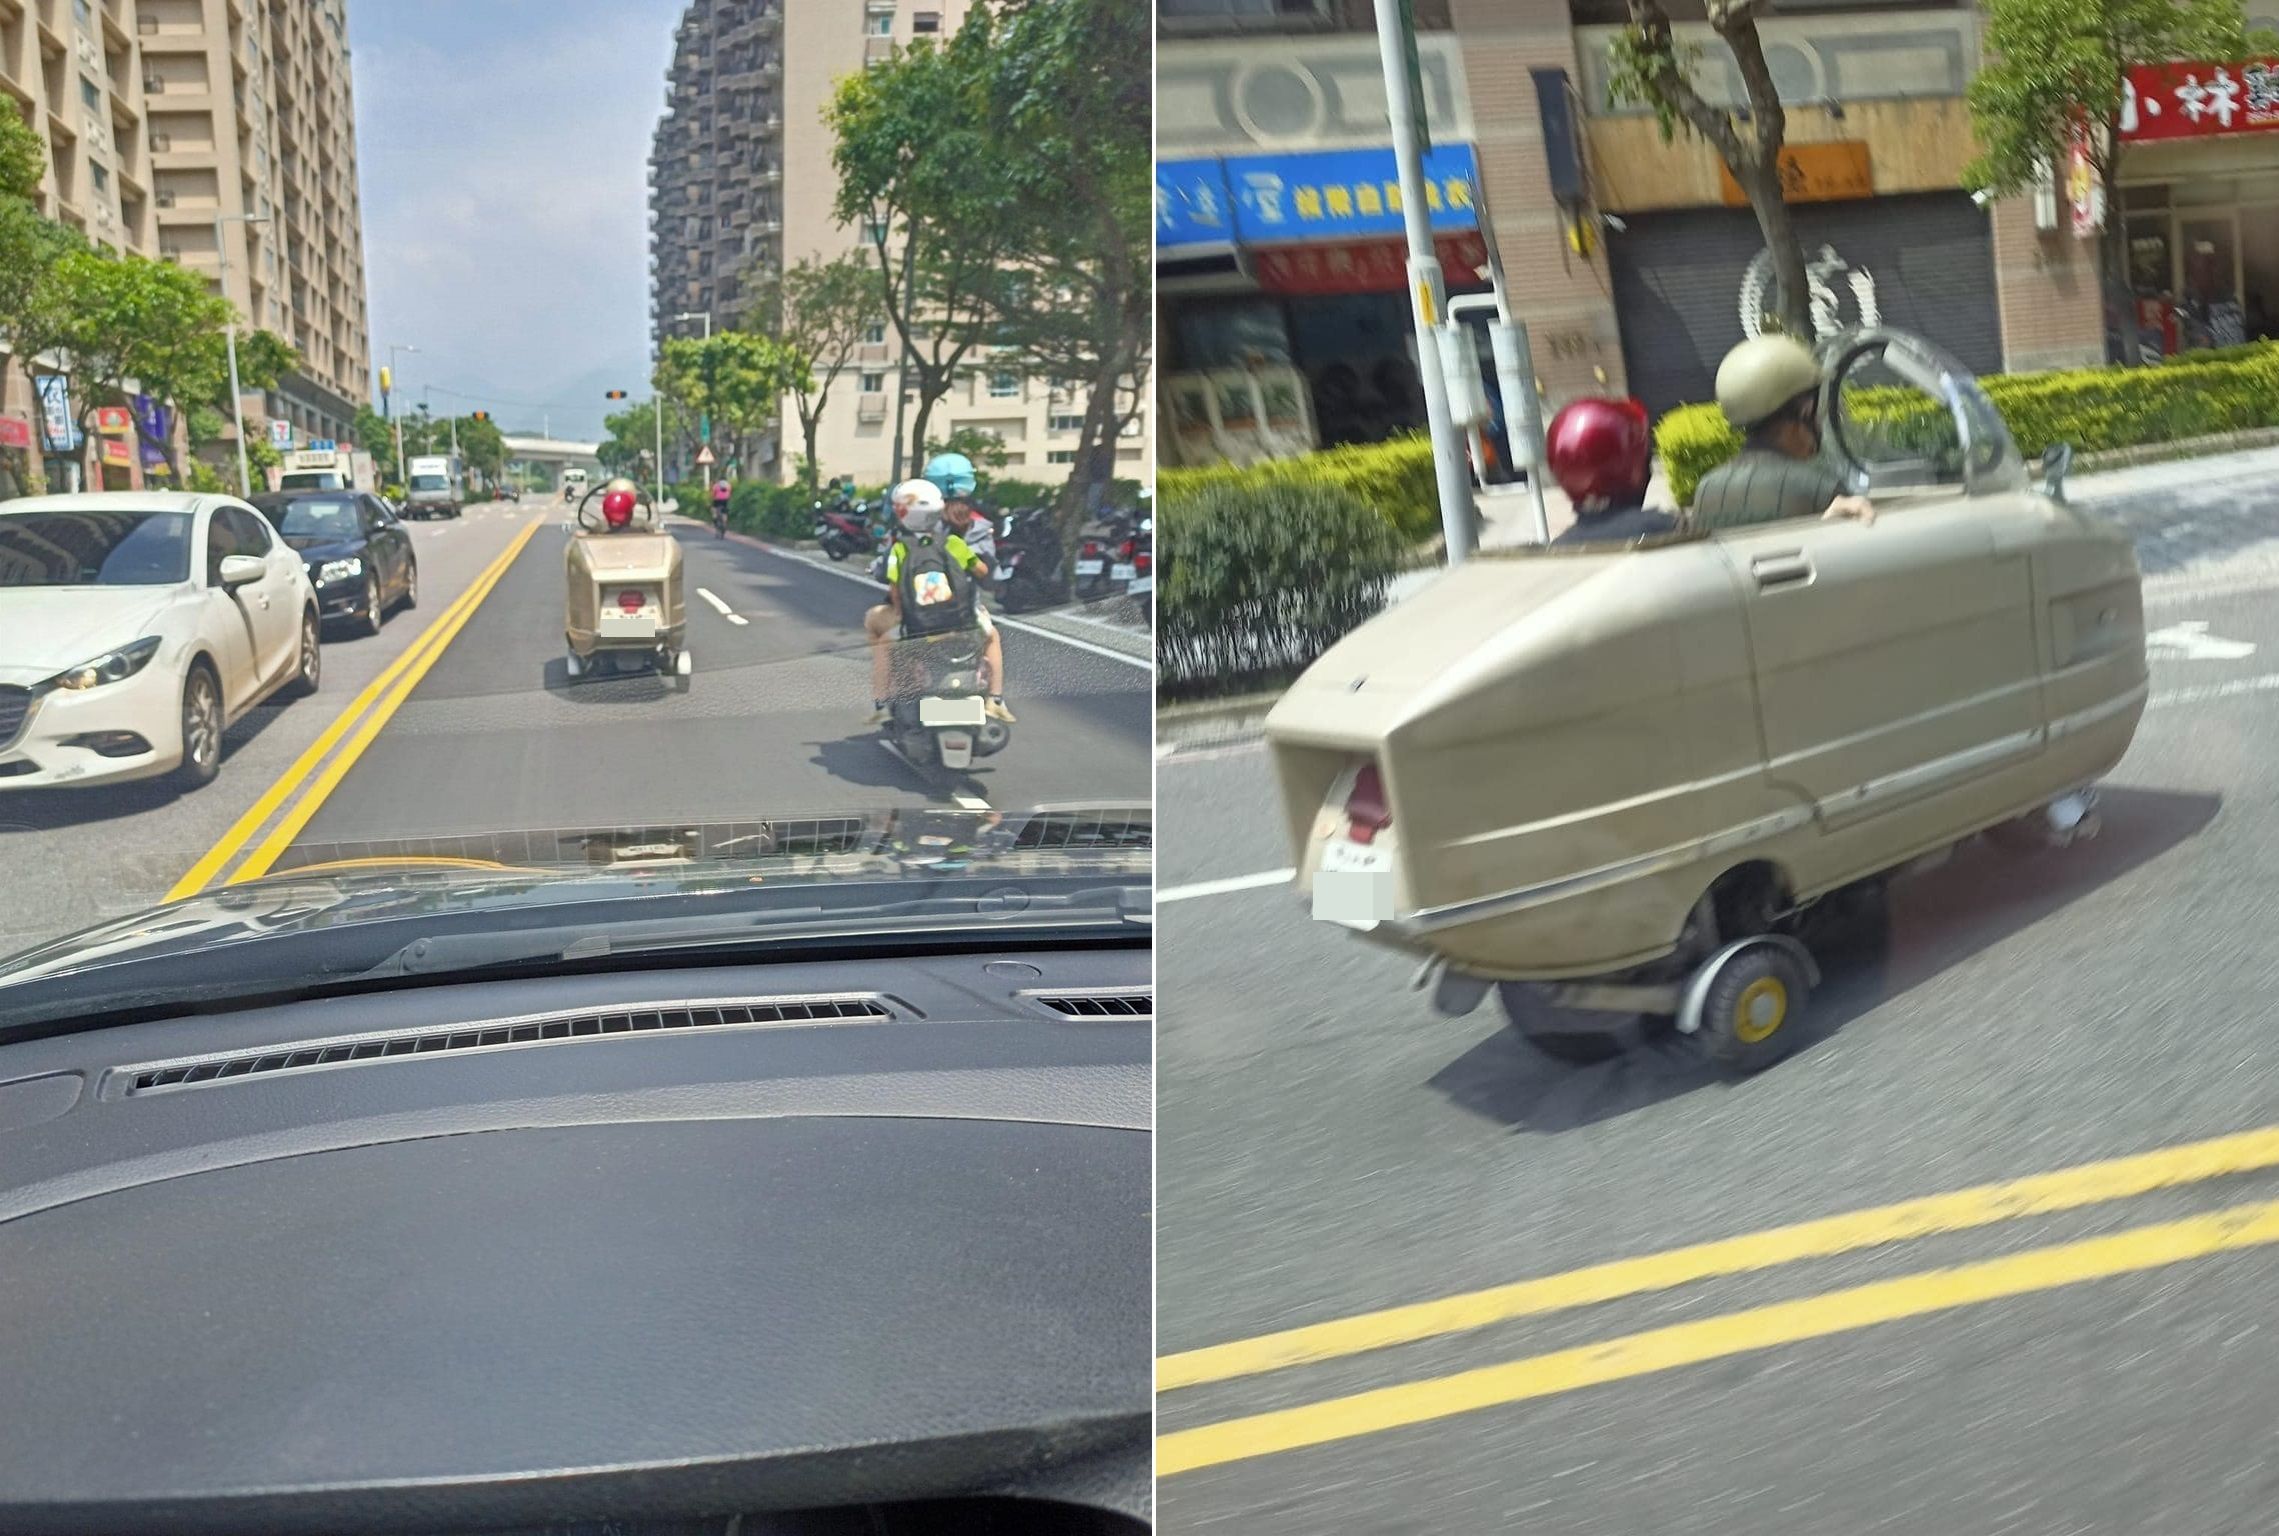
{"x": 986, "y": 449}
{"x": 482, "y": 447}
{"x": 1649, "y": 65}
{"x": 820, "y": 311}
{"x": 263, "y": 357}
{"x": 923, "y": 169}
{"x": 736, "y": 378}
{"x": 1071, "y": 90}
{"x": 128, "y": 324}
{"x": 632, "y": 437}
{"x": 2056, "y": 69}
{"x": 23, "y": 157}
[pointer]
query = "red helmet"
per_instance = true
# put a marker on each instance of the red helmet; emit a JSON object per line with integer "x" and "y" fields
{"x": 617, "y": 507}
{"x": 1599, "y": 449}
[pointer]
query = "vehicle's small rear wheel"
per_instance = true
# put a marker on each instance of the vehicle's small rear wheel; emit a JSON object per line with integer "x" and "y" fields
{"x": 310, "y": 673}
{"x": 1754, "y": 1008}
{"x": 1574, "y": 1035}
{"x": 375, "y": 613}
{"x": 201, "y": 728}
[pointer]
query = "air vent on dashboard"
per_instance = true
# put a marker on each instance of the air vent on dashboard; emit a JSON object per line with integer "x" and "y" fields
{"x": 535, "y": 1030}
{"x": 1098, "y": 1005}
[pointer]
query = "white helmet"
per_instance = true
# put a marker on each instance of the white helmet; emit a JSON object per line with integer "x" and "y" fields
{"x": 917, "y": 505}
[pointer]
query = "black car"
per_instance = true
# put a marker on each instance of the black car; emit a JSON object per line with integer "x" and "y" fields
{"x": 358, "y": 552}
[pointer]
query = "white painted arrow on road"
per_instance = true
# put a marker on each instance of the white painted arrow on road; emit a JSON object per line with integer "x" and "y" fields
{"x": 2191, "y": 641}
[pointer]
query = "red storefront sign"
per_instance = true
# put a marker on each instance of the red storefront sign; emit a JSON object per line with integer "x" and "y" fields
{"x": 113, "y": 420}
{"x": 15, "y": 432}
{"x": 1364, "y": 266}
{"x": 118, "y": 453}
{"x": 2197, "y": 101}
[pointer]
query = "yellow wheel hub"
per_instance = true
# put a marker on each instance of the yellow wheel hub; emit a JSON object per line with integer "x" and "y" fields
{"x": 1761, "y": 1009}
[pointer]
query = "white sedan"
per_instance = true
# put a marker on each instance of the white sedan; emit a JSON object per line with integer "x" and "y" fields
{"x": 135, "y": 627}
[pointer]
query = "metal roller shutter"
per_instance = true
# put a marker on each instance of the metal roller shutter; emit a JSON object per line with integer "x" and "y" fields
{"x": 1677, "y": 282}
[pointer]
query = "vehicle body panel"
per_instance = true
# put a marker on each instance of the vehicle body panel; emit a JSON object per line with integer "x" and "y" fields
{"x": 598, "y": 567}
{"x": 1575, "y": 744}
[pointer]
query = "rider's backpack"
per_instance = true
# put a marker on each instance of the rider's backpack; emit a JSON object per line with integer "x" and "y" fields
{"x": 937, "y": 592}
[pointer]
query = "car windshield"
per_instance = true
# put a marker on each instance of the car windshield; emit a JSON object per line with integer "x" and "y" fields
{"x": 453, "y": 676}
{"x": 315, "y": 518}
{"x": 94, "y": 549}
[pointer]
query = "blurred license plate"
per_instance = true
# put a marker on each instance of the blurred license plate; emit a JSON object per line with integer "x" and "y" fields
{"x": 935, "y": 712}
{"x": 1353, "y": 883}
{"x": 617, "y": 624}
{"x": 1090, "y": 567}
{"x": 1124, "y": 572}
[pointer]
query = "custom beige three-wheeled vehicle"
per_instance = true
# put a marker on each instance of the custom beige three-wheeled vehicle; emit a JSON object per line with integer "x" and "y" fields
{"x": 623, "y": 607}
{"x": 1620, "y": 782}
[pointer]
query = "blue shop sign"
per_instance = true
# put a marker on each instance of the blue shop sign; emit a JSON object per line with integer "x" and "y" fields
{"x": 1330, "y": 194}
{"x": 1191, "y": 204}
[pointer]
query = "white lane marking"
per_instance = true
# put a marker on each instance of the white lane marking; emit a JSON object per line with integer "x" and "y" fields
{"x": 1144, "y": 663}
{"x": 726, "y": 612}
{"x": 970, "y": 802}
{"x": 1223, "y": 887}
{"x": 2191, "y": 641}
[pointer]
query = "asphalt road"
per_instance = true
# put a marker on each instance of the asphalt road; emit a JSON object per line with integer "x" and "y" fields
{"x": 76, "y": 857}
{"x": 1329, "y": 1150}
{"x": 481, "y": 731}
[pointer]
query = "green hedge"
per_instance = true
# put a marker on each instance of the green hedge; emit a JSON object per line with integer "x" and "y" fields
{"x": 1261, "y": 576}
{"x": 1393, "y": 479}
{"x": 2094, "y": 409}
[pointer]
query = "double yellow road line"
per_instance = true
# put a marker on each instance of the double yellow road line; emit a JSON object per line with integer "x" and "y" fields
{"x": 1915, "y": 1295}
{"x": 365, "y": 715}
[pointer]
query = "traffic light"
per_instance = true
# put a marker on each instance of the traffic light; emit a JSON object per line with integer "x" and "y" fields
{"x": 482, "y": 415}
{"x": 615, "y": 394}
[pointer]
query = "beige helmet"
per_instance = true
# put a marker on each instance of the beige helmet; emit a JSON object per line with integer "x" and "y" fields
{"x": 1761, "y": 375}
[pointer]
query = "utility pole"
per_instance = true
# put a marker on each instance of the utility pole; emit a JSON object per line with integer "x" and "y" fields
{"x": 236, "y": 404}
{"x": 1396, "y": 47}
{"x": 394, "y": 420}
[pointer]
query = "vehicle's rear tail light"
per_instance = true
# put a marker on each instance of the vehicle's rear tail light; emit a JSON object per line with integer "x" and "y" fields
{"x": 1091, "y": 548}
{"x": 631, "y": 599}
{"x": 1142, "y": 560}
{"x": 1366, "y": 812}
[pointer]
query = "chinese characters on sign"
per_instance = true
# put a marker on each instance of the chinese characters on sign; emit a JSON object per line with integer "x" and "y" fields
{"x": 2186, "y": 101}
{"x": 1364, "y": 266}
{"x": 1813, "y": 173}
{"x": 59, "y": 433}
{"x": 1340, "y": 194}
{"x": 113, "y": 420}
{"x": 15, "y": 432}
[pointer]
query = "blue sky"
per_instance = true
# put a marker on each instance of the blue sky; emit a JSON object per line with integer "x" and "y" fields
{"x": 503, "y": 148}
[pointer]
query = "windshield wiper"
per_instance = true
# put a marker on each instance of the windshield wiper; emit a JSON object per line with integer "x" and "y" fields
{"x": 574, "y": 942}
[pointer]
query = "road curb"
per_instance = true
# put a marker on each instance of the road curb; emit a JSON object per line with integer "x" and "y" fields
{"x": 1213, "y": 722}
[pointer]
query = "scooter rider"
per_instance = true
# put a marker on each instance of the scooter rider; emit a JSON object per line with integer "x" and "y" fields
{"x": 1599, "y": 453}
{"x": 953, "y": 475}
{"x": 916, "y": 506}
{"x": 1769, "y": 389}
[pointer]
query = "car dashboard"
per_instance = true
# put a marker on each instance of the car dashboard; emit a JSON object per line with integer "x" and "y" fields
{"x": 854, "y": 1245}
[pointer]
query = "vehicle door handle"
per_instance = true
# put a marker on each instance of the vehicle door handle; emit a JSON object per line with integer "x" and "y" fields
{"x": 1785, "y": 569}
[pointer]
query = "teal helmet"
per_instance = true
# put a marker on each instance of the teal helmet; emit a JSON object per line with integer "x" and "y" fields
{"x": 952, "y": 474}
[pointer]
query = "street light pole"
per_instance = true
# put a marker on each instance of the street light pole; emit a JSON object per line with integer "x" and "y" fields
{"x": 704, "y": 422}
{"x": 236, "y": 404}
{"x": 398, "y": 421}
{"x": 1396, "y": 43}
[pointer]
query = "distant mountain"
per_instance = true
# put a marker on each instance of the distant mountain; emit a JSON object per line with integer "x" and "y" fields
{"x": 570, "y": 408}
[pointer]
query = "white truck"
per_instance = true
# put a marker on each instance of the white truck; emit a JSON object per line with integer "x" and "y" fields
{"x": 432, "y": 486}
{"x": 328, "y": 469}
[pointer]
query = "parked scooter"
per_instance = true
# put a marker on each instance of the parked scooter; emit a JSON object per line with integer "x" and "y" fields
{"x": 1030, "y": 560}
{"x": 842, "y": 531}
{"x": 1107, "y": 556}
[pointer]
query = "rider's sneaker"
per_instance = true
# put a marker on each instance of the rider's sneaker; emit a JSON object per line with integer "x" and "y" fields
{"x": 996, "y": 710}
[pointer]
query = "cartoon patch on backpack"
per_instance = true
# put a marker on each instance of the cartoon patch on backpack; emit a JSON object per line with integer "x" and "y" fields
{"x": 929, "y": 587}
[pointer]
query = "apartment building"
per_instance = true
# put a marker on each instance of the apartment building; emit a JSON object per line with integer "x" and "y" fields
{"x": 1630, "y": 259}
{"x": 716, "y": 166}
{"x": 252, "y": 124}
{"x": 741, "y": 182}
{"x": 69, "y": 68}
